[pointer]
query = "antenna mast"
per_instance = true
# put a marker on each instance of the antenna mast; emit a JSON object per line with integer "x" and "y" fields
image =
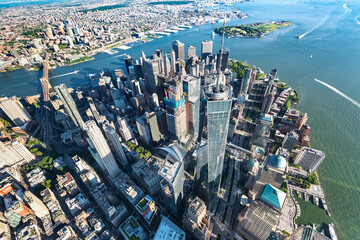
{"x": 221, "y": 53}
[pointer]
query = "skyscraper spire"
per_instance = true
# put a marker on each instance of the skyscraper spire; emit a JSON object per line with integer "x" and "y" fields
{"x": 221, "y": 51}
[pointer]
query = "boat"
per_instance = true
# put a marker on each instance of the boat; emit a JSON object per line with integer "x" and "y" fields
{"x": 300, "y": 36}
{"x": 310, "y": 56}
{"x": 76, "y": 71}
{"x": 316, "y": 201}
{"x": 332, "y": 232}
{"x": 213, "y": 34}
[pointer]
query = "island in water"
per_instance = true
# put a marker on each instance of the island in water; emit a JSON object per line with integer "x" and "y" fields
{"x": 258, "y": 29}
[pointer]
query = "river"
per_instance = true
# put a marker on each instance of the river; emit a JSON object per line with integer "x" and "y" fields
{"x": 330, "y": 52}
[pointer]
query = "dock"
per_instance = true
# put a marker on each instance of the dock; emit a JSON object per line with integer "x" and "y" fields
{"x": 160, "y": 33}
{"x": 170, "y": 31}
{"x": 185, "y": 26}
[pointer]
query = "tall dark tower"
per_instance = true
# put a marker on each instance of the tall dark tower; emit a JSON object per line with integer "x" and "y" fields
{"x": 128, "y": 62}
{"x": 224, "y": 59}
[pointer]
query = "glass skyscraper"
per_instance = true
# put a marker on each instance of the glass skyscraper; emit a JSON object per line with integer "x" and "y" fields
{"x": 218, "y": 104}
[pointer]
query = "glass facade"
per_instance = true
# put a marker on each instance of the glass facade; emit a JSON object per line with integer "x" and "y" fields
{"x": 218, "y": 114}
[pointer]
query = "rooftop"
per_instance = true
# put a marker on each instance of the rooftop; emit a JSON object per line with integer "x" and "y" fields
{"x": 167, "y": 230}
{"x": 273, "y": 196}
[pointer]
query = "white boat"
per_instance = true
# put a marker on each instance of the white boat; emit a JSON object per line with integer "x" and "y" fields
{"x": 213, "y": 34}
{"x": 76, "y": 71}
{"x": 332, "y": 232}
{"x": 310, "y": 56}
{"x": 316, "y": 201}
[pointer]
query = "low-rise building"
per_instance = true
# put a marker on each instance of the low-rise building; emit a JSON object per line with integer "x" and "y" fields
{"x": 77, "y": 204}
{"x": 130, "y": 229}
{"x": 29, "y": 232}
{"x": 66, "y": 185}
{"x": 66, "y": 233}
{"x": 53, "y": 205}
{"x": 147, "y": 208}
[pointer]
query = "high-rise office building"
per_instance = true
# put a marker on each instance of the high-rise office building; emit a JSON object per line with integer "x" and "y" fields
{"x": 246, "y": 80}
{"x": 69, "y": 104}
{"x": 218, "y": 107}
{"x": 153, "y": 126}
{"x": 100, "y": 149}
{"x": 309, "y": 159}
{"x": 173, "y": 61}
{"x": 162, "y": 120}
{"x": 172, "y": 174}
{"x": 290, "y": 140}
{"x": 179, "y": 50}
{"x": 191, "y": 51}
{"x": 143, "y": 129}
{"x": 148, "y": 128}
{"x": 14, "y": 153}
{"x": 128, "y": 62}
{"x": 115, "y": 143}
{"x": 224, "y": 60}
{"x": 124, "y": 130}
{"x": 176, "y": 109}
{"x": 153, "y": 68}
{"x": 206, "y": 49}
{"x": 269, "y": 97}
{"x": 192, "y": 89}
{"x": 15, "y": 111}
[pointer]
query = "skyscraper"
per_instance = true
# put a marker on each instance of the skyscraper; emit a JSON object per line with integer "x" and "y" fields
{"x": 128, "y": 62}
{"x": 191, "y": 51}
{"x": 206, "y": 49}
{"x": 100, "y": 149}
{"x": 148, "y": 128}
{"x": 69, "y": 104}
{"x": 15, "y": 111}
{"x": 124, "y": 130}
{"x": 151, "y": 70}
{"x": 176, "y": 109}
{"x": 192, "y": 89}
{"x": 224, "y": 59}
{"x": 218, "y": 109}
{"x": 179, "y": 50}
{"x": 115, "y": 142}
{"x": 172, "y": 174}
{"x": 143, "y": 129}
{"x": 246, "y": 80}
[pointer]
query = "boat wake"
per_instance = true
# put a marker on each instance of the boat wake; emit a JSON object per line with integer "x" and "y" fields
{"x": 357, "y": 19}
{"x": 316, "y": 27}
{"x": 62, "y": 75}
{"x": 338, "y": 92}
